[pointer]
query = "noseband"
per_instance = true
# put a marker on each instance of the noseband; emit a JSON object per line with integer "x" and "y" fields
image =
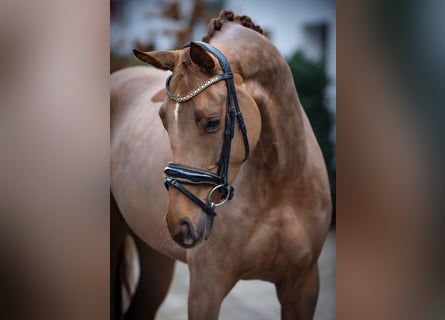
{"x": 177, "y": 174}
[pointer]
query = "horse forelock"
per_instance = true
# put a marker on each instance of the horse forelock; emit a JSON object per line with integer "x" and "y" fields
{"x": 186, "y": 75}
{"x": 217, "y": 23}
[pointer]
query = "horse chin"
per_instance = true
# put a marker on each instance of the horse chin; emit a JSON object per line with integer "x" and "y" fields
{"x": 188, "y": 245}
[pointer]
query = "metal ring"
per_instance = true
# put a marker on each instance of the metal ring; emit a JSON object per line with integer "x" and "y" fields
{"x": 220, "y": 186}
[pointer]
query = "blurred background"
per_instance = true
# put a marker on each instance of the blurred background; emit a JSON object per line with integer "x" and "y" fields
{"x": 304, "y": 31}
{"x": 54, "y": 138}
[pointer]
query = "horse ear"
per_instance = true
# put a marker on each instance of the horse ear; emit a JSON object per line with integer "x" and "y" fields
{"x": 159, "y": 59}
{"x": 201, "y": 57}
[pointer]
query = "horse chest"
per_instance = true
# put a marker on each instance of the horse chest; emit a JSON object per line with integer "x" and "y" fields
{"x": 273, "y": 246}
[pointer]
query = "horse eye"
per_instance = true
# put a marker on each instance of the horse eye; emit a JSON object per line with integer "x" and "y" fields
{"x": 212, "y": 124}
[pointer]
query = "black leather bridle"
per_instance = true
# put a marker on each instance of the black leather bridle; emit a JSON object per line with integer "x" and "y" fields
{"x": 177, "y": 174}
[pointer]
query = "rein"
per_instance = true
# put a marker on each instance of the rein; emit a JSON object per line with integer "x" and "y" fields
{"x": 177, "y": 174}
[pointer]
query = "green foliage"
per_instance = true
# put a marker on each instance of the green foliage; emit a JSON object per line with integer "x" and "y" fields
{"x": 311, "y": 80}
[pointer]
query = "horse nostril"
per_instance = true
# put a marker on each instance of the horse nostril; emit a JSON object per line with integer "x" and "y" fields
{"x": 186, "y": 225}
{"x": 187, "y": 236}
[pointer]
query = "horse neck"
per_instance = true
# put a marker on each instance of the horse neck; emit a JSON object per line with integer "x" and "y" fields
{"x": 281, "y": 151}
{"x": 281, "y": 148}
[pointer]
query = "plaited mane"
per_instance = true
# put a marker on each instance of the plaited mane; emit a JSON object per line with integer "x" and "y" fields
{"x": 216, "y": 24}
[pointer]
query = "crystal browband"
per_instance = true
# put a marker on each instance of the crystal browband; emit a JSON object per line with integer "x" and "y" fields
{"x": 194, "y": 92}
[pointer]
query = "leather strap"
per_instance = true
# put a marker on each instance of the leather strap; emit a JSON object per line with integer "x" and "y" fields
{"x": 205, "y": 206}
{"x": 232, "y": 100}
{"x": 191, "y": 175}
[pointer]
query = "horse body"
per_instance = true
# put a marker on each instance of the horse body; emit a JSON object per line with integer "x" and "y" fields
{"x": 139, "y": 151}
{"x": 274, "y": 227}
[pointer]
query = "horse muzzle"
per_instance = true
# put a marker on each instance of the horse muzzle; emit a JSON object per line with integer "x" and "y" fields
{"x": 187, "y": 236}
{"x": 188, "y": 231}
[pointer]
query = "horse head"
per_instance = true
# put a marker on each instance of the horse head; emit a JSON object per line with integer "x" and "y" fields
{"x": 194, "y": 114}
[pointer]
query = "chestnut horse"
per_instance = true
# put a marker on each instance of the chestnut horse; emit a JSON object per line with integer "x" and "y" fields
{"x": 248, "y": 194}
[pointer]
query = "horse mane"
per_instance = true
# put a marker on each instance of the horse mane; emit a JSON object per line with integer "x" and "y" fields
{"x": 216, "y": 24}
